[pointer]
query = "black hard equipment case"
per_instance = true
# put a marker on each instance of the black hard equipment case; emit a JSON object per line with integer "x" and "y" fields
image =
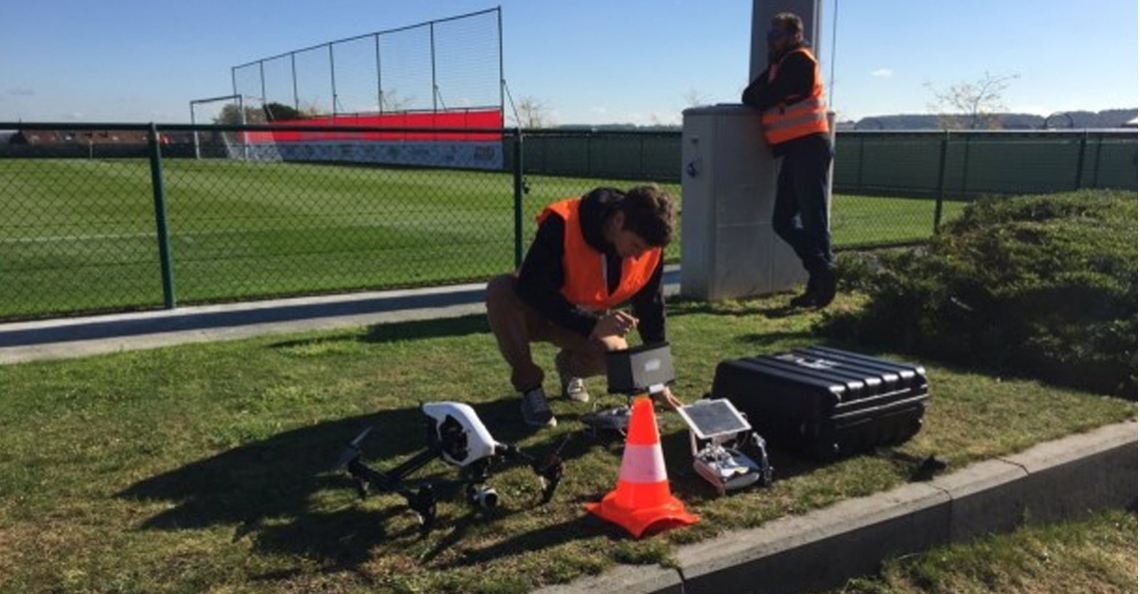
{"x": 823, "y": 402}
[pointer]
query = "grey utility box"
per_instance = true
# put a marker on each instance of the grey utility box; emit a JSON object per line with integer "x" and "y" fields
{"x": 728, "y": 247}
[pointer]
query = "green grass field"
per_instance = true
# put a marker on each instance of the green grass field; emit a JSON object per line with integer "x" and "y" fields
{"x": 207, "y": 467}
{"x": 79, "y": 235}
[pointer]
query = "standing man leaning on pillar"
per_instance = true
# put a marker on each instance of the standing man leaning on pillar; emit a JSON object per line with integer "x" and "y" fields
{"x": 590, "y": 256}
{"x": 794, "y": 116}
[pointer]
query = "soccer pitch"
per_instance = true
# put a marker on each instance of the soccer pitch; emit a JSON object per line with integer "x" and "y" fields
{"x": 80, "y": 235}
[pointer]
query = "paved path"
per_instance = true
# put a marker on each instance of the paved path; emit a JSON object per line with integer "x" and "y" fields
{"x": 80, "y": 337}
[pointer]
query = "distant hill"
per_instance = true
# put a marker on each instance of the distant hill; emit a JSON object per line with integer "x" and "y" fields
{"x": 1109, "y": 118}
{"x": 616, "y": 128}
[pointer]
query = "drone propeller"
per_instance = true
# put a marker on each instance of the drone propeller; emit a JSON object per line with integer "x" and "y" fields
{"x": 353, "y": 450}
{"x": 359, "y": 439}
{"x": 549, "y": 471}
{"x": 549, "y": 475}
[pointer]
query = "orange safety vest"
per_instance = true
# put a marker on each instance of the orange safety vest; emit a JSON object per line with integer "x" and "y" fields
{"x": 788, "y": 121}
{"x": 584, "y": 268}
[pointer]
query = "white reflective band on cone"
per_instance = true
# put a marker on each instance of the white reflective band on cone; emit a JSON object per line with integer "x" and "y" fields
{"x": 642, "y": 464}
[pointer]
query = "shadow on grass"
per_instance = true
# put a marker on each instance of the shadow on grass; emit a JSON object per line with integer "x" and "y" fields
{"x": 765, "y": 340}
{"x": 401, "y": 331}
{"x": 437, "y": 328}
{"x": 274, "y": 477}
{"x": 684, "y": 307}
{"x": 586, "y": 526}
{"x": 268, "y": 488}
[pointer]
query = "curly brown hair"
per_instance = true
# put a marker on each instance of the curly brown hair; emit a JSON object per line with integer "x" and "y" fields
{"x": 649, "y": 213}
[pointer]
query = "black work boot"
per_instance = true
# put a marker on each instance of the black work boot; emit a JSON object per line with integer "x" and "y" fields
{"x": 824, "y": 287}
{"x": 807, "y": 298}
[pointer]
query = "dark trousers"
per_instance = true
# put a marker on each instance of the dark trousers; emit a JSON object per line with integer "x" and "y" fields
{"x": 800, "y": 214}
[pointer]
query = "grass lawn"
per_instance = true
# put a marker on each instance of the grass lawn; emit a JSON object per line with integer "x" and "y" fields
{"x": 207, "y": 467}
{"x": 79, "y": 235}
{"x": 1096, "y": 554}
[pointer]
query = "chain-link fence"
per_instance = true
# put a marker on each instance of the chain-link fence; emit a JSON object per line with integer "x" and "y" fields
{"x": 966, "y": 164}
{"x": 440, "y": 65}
{"x": 957, "y": 164}
{"x": 152, "y": 226}
{"x": 120, "y": 217}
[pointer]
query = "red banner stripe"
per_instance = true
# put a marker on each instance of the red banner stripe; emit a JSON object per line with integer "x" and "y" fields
{"x": 450, "y": 121}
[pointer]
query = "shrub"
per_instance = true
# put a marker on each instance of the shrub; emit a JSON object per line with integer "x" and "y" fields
{"x": 1037, "y": 285}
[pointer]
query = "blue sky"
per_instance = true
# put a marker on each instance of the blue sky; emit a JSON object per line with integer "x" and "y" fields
{"x": 586, "y": 61}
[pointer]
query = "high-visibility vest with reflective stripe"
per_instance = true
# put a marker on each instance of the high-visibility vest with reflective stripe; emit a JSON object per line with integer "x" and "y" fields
{"x": 584, "y": 268}
{"x": 788, "y": 121}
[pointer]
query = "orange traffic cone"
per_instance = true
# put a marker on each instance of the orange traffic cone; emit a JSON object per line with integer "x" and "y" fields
{"x": 642, "y": 496}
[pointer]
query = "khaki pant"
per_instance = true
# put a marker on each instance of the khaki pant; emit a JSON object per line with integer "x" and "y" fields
{"x": 516, "y": 325}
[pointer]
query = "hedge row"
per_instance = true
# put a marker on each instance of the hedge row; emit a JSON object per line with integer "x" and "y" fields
{"x": 1043, "y": 286}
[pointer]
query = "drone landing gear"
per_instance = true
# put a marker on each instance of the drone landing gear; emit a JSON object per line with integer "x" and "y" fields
{"x": 421, "y": 500}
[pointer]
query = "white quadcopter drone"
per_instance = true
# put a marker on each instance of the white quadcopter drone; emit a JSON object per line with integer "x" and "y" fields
{"x": 459, "y": 438}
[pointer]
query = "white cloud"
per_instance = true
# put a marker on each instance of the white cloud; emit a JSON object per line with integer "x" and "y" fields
{"x": 883, "y": 73}
{"x": 599, "y": 110}
{"x": 22, "y": 92}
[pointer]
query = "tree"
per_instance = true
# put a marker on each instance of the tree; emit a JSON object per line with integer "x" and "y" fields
{"x": 971, "y": 105}
{"x": 278, "y": 112}
{"x": 693, "y": 98}
{"x": 231, "y": 115}
{"x": 532, "y": 113}
{"x": 392, "y": 101}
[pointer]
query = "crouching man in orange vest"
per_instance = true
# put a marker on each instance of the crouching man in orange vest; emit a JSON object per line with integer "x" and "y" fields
{"x": 794, "y": 118}
{"x": 589, "y": 256}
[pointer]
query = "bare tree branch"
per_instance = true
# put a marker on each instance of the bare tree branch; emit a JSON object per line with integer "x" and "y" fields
{"x": 532, "y": 113}
{"x": 971, "y": 105}
{"x": 693, "y": 98}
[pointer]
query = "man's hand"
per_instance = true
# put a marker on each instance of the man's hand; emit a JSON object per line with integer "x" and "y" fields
{"x": 667, "y": 398}
{"x": 615, "y": 323}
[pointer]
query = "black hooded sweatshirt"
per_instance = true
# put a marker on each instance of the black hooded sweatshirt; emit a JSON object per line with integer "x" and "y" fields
{"x": 542, "y": 272}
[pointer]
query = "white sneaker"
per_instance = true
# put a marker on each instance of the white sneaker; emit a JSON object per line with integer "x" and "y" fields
{"x": 536, "y": 410}
{"x": 573, "y": 388}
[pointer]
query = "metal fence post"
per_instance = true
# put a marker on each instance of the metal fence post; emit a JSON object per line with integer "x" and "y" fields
{"x": 1096, "y": 160}
{"x": 640, "y": 157}
{"x": 160, "y": 217}
{"x": 1080, "y": 160}
{"x": 966, "y": 163}
{"x": 518, "y": 175}
{"x": 941, "y": 180}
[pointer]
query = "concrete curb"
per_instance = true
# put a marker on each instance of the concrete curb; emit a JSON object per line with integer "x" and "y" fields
{"x": 1061, "y": 479}
{"x": 80, "y": 337}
